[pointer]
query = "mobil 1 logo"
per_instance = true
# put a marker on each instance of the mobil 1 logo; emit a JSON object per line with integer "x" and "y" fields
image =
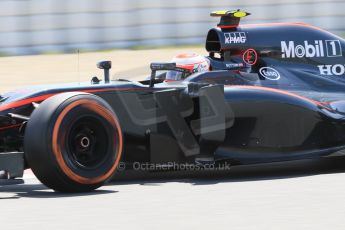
{"x": 307, "y": 49}
{"x": 333, "y": 48}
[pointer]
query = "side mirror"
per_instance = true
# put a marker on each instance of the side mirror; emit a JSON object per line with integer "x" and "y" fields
{"x": 159, "y": 66}
{"x": 106, "y": 66}
{"x": 162, "y": 66}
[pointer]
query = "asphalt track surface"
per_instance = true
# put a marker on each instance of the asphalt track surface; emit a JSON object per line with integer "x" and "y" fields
{"x": 306, "y": 194}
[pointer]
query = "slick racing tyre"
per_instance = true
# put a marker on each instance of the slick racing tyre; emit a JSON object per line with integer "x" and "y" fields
{"x": 73, "y": 142}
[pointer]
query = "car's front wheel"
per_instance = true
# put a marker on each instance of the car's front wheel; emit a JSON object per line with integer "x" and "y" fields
{"x": 73, "y": 142}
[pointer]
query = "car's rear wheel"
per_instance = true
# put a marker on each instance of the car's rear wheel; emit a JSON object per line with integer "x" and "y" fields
{"x": 73, "y": 142}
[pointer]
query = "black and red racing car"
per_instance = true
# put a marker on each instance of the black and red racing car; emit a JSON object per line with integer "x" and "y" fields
{"x": 272, "y": 92}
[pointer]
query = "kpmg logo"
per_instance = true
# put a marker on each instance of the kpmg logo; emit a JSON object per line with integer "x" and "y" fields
{"x": 235, "y": 38}
{"x": 317, "y": 48}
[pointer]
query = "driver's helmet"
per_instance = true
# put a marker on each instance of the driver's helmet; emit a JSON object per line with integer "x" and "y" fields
{"x": 191, "y": 62}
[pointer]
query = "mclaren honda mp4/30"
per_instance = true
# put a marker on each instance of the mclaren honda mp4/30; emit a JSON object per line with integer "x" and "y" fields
{"x": 275, "y": 92}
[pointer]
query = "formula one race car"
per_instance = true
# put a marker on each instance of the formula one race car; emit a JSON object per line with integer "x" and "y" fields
{"x": 275, "y": 92}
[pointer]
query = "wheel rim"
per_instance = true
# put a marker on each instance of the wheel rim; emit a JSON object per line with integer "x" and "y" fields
{"x": 88, "y": 143}
{"x": 62, "y": 128}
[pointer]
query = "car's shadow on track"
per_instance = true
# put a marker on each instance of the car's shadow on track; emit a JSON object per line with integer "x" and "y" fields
{"x": 40, "y": 191}
{"x": 272, "y": 171}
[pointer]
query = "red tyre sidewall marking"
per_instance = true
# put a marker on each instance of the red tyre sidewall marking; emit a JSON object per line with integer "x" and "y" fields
{"x": 105, "y": 113}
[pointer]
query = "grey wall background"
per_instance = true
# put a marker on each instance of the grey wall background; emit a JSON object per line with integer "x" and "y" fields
{"x": 40, "y": 26}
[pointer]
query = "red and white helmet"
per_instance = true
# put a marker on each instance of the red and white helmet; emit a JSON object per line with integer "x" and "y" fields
{"x": 191, "y": 62}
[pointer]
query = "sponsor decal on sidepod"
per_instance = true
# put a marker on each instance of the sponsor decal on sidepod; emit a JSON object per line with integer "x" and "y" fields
{"x": 235, "y": 38}
{"x": 270, "y": 73}
{"x": 250, "y": 57}
{"x": 337, "y": 70}
{"x": 319, "y": 48}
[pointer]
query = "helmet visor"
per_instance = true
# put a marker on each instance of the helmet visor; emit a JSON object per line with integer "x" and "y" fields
{"x": 173, "y": 75}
